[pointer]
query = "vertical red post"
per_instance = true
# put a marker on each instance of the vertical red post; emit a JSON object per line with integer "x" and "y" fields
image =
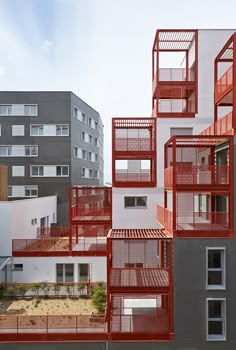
{"x": 171, "y": 304}
{"x": 174, "y": 185}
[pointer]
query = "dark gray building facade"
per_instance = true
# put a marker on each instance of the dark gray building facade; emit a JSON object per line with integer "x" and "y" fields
{"x": 50, "y": 141}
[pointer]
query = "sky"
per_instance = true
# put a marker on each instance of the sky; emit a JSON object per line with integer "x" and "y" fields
{"x": 99, "y": 49}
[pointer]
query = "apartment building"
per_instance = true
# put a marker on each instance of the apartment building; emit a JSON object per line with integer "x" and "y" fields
{"x": 50, "y": 141}
{"x": 166, "y": 227}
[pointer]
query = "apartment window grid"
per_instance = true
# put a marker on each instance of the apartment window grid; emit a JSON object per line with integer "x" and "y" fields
{"x": 216, "y": 268}
{"x": 216, "y": 319}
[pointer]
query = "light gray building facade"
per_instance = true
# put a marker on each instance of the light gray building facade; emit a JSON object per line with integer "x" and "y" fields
{"x": 50, "y": 141}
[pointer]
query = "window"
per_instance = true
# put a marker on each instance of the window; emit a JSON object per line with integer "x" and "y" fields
{"x": 18, "y": 267}
{"x": 34, "y": 221}
{"x": 89, "y": 121}
{"x": 31, "y": 110}
{"x": 83, "y": 172}
{"x": 135, "y": 202}
{"x": 37, "y": 170}
{"x": 83, "y": 154}
{"x": 9, "y": 191}
{"x": 83, "y": 118}
{"x": 90, "y": 139}
{"x": 76, "y": 152}
{"x": 31, "y": 191}
{"x": 90, "y": 173}
{"x": 82, "y": 135}
{"x": 83, "y": 271}
{"x": 18, "y": 170}
{"x": 96, "y": 125}
{"x": 6, "y": 110}
{"x": 62, "y": 130}
{"x": 95, "y": 141}
{"x": 76, "y": 116}
{"x": 0, "y": 130}
{"x": 216, "y": 268}
{"x": 37, "y": 130}
{"x": 65, "y": 272}
{"x": 96, "y": 174}
{"x": 5, "y": 151}
{"x": 216, "y": 319}
{"x": 90, "y": 156}
{"x": 18, "y": 130}
{"x": 31, "y": 151}
{"x": 62, "y": 170}
{"x": 96, "y": 158}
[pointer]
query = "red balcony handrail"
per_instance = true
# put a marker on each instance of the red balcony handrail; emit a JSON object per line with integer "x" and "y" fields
{"x": 224, "y": 125}
{"x": 124, "y": 175}
{"x": 224, "y": 84}
{"x": 198, "y": 175}
{"x": 176, "y": 106}
{"x": 208, "y": 221}
{"x": 176, "y": 74}
{"x": 168, "y": 177}
{"x": 210, "y": 131}
{"x": 134, "y": 144}
{"x": 52, "y": 323}
{"x": 165, "y": 218}
{"x": 82, "y": 212}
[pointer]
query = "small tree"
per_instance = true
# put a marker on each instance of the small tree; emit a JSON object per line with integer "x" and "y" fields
{"x": 99, "y": 299}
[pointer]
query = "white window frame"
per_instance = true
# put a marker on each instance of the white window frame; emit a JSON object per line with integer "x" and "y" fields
{"x": 222, "y": 269}
{"x": 8, "y": 108}
{"x": 20, "y": 267}
{"x": 61, "y": 127}
{"x": 40, "y": 129}
{"x": 76, "y": 152}
{"x": 30, "y": 105}
{"x": 62, "y": 166}
{"x": 38, "y": 167}
{"x": 136, "y": 206}
{"x": 216, "y": 337}
{"x": 64, "y": 272}
{"x": 31, "y": 188}
{"x": 32, "y": 149}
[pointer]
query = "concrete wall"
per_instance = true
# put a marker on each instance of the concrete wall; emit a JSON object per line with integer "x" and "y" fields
{"x": 39, "y": 269}
{"x": 134, "y": 218}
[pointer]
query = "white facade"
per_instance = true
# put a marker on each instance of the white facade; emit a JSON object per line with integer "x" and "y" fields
{"x": 20, "y": 219}
{"x": 39, "y": 269}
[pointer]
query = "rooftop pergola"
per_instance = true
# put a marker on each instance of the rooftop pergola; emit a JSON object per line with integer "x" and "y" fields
{"x": 139, "y": 234}
{"x": 174, "y": 40}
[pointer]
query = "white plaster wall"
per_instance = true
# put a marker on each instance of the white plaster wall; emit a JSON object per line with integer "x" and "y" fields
{"x": 23, "y": 211}
{"x": 38, "y": 269}
{"x": 134, "y": 218}
{"x": 5, "y": 228}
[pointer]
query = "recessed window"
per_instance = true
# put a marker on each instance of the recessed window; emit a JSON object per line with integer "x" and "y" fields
{"x": 89, "y": 122}
{"x": 83, "y": 118}
{"x": 90, "y": 156}
{"x": 76, "y": 152}
{"x": 31, "y": 110}
{"x": 31, "y": 191}
{"x": 18, "y": 267}
{"x": 90, "y": 173}
{"x": 83, "y": 172}
{"x": 37, "y": 170}
{"x": 82, "y": 135}
{"x": 37, "y": 130}
{"x": 6, "y": 110}
{"x": 95, "y": 141}
{"x": 5, "y": 151}
{"x": 216, "y": 268}
{"x": 96, "y": 174}
{"x": 216, "y": 319}
{"x": 90, "y": 139}
{"x": 135, "y": 202}
{"x": 65, "y": 272}
{"x": 96, "y": 125}
{"x": 31, "y": 151}
{"x": 62, "y": 130}
{"x": 62, "y": 170}
{"x": 96, "y": 158}
{"x": 83, "y": 154}
{"x": 76, "y": 113}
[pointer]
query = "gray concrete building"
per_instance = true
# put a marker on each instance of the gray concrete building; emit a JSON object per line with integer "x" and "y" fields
{"x": 50, "y": 141}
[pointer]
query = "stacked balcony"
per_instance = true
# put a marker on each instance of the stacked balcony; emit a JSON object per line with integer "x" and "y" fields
{"x": 134, "y": 152}
{"x": 90, "y": 219}
{"x": 139, "y": 270}
{"x": 174, "y": 88}
{"x": 198, "y": 181}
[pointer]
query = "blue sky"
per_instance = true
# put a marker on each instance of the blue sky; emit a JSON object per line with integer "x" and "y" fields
{"x": 99, "y": 49}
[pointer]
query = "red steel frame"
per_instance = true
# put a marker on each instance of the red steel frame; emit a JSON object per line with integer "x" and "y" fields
{"x": 140, "y": 147}
{"x": 172, "y": 89}
{"x": 151, "y": 289}
{"x": 223, "y": 185}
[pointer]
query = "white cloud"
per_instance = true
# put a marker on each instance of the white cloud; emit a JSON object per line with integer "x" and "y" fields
{"x": 47, "y": 45}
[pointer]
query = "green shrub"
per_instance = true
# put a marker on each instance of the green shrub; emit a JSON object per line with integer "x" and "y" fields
{"x": 99, "y": 299}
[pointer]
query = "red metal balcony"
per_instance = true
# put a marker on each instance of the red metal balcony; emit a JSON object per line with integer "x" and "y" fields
{"x": 165, "y": 218}
{"x": 210, "y": 131}
{"x": 223, "y": 87}
{"x": 134, "y": 152}
{"x": 224, "y": 126}
{"x": 176, "y": 106}
{"x": 60, "y": 246}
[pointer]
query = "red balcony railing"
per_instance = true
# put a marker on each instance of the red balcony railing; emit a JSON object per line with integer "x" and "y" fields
{"x": 52, "y": 323}
{"x": 205, "y": 221}
{"x": 176, "y": 106}
{"x": 176, "y": 74}
{"x": 59, "y": 246}
{"x": 53, "y": 232}
{"x": 165, "y": 218}
{"x": 139, "y": 277}
{"x": 130, "y": 144}
{"x": 224, "y": 84}
{"x": 90, "y": 213}
{"x": 124, "y": 175}
{"x": 224, "y": 125}
{"x": 197, "y": 175}
{"x": 210, "y": 131}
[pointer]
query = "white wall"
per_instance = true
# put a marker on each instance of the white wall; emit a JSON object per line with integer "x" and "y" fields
{"x": 5, "y": 228}
{"x": 23, "y": 211}
{"x": 134, "y": 218}
{"x": 37, "y": 269}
